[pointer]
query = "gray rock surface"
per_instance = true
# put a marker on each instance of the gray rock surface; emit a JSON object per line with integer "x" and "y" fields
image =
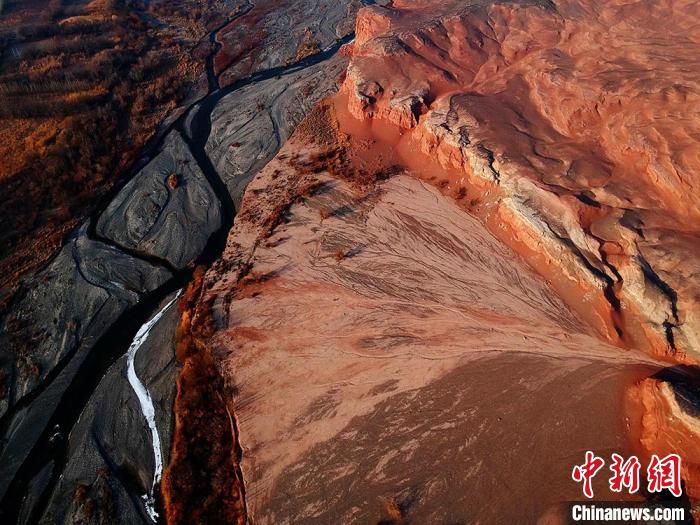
{"x": 251, "y": 124}
{"x": 110, "y": 459}
{"x": 275, "y": 34}
{"x": 68, "y": 306}
{"x": 168, "y": 210}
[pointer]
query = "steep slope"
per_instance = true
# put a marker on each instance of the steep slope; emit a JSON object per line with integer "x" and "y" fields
{"x": 483, "y": 250}
{"x": 582, "y": 117}
{"x": 381, "y": 350}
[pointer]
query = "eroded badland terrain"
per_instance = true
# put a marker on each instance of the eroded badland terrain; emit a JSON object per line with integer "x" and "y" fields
{"x": 352, "y": 262}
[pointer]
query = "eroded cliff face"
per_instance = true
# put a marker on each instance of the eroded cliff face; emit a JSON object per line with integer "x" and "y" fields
{"x": 482, "y": 250}
{"x": 583, "y": 117}
{"x": 670, "y": 423}
{"x": 386, "y": 357}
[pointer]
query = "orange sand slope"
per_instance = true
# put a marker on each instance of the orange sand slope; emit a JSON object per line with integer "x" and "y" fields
{"x": 381, "y": 346}
{"x": 586, "y": 117}
{"x": 413, "y": 346}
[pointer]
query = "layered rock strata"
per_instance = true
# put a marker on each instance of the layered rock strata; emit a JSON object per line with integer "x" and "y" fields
{"x": 591, "y": 148}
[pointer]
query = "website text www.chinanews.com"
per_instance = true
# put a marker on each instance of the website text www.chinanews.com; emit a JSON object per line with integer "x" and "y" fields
{"x": 607, "y": 512}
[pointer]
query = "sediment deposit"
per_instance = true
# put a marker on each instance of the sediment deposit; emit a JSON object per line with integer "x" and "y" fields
{"x": 497, "y": 198}
{"x": 382, "y": 350}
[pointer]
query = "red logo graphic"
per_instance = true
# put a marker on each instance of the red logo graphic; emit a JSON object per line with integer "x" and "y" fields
{"x": 625, "y": 474}
{"x": 587, "y": 471}
{"x": 662, "y": 473}
{"x": 665, "y": 474}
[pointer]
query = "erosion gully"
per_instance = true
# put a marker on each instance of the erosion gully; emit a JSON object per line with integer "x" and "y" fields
{"x": 50, "y": 454}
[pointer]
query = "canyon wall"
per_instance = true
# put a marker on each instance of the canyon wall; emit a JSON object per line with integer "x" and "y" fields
{"x": 583, "y": 117}
{"x": 482, "y": 250}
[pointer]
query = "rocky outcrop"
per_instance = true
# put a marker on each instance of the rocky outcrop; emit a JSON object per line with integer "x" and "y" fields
{"x": 669, "y": 405}
{"x": 593, "y": 159}
{"x": 251, "y": 124}
{"x": 167, "y": 211}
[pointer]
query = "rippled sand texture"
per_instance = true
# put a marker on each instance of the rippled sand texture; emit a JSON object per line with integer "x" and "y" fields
{"x": 586, "y": 115}
{"x": 389, "y": 355}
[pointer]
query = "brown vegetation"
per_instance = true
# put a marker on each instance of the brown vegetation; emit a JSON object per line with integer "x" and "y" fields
{"x": 392, "y": 511}
{"x": 341, "y": 254}
{"x": 202, "y": 483}
{"x": 173, "y": 180}
{"x": 83, "y": 86}
{"x": 308, "y": 46}
{"x": 240, "y": 39}
{"x": 95, "y": 502}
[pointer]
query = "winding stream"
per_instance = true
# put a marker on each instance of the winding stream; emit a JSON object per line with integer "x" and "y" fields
{"x": 147, "y": 408}
{"x": 49, "y": 455}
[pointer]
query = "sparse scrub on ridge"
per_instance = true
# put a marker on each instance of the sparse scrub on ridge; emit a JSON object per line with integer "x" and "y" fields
{"x": 84, "y": 88}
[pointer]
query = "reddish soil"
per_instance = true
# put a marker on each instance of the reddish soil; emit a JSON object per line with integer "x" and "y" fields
{"x": 378, "y": 145}
{"x": 587, "y": 141}
{"x": 581, "y": 135}
{"x": 351, "y": 325}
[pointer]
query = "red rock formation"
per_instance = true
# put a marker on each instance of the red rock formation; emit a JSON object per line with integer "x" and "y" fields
{"x": 669, "y": 427}
{"x": 387, "y": 356}
{"x": 580, "y": 119}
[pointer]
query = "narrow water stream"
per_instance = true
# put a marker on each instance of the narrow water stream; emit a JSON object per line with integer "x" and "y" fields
{"x": 147, "y": 408}
{"x": 131, "y": 329}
